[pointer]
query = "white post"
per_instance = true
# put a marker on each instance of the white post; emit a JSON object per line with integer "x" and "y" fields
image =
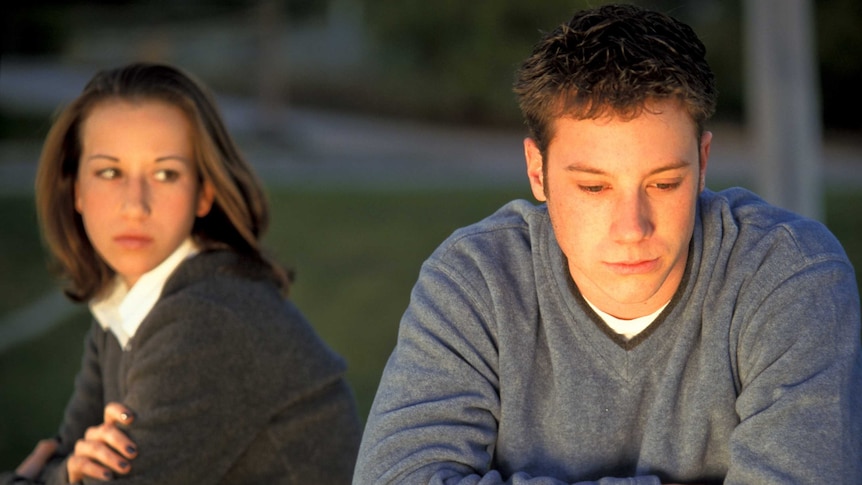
{"x": 783, "y": 105}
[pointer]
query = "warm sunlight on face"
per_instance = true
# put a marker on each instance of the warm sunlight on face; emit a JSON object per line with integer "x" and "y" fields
{"x": 622, "y": 196}
{"x": 137, "y": 188}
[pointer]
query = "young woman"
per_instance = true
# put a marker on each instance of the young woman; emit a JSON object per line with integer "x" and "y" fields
{"x": 196, "y": 369}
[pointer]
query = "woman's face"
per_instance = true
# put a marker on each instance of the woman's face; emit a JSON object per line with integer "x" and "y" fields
{"x": 137, "y": 186}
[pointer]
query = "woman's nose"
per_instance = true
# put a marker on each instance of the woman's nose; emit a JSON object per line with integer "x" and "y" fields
{"x": 136, "y": 197}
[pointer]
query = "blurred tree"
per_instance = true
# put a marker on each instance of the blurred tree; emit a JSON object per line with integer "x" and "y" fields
{"x": 839, "y": 39}
{"x": 32, "y": 28}
{"x": 454, "y": 60}
{"x": 462, "y": 55}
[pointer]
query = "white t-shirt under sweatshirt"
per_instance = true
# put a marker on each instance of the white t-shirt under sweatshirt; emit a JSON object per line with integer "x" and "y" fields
{"x": 627, "y": 328}
{"x": 123, "y": 309}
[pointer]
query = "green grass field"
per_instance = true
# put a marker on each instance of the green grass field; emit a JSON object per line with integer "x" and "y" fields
{"x": 356, "y": 256}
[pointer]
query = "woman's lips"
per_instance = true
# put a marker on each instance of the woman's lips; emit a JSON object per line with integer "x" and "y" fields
{"x": 133, "y": 241}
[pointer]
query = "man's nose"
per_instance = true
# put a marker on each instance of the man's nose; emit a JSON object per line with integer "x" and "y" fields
{"x": 632, "y": 218}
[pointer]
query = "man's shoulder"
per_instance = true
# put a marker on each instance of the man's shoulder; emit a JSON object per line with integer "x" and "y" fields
{"x": 756, "y": 222}
{"x": 514, "y": 225}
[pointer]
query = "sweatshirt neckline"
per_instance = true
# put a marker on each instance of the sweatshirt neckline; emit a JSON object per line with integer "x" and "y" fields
{"x": 629, "y": 358}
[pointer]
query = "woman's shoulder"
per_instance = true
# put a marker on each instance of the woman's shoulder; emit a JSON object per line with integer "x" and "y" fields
{"x": 213, "y": 268}
{"x": 230, "y": 290}
{"x": 223, "y": 304}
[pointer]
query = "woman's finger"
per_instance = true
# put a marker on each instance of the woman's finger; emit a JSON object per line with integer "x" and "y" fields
{"x": 33, "y": 464}
{"x": 116, "y": 413}
{"x": 103, "y": 454}
{"x": 109, "y": 436}
{"x": 78, "y": 467}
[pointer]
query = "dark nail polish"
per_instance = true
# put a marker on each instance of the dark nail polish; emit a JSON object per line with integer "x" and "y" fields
{"x": 124, "y": 465}
{"x": 131, "y": 449}
{"x": 107, "y": 475}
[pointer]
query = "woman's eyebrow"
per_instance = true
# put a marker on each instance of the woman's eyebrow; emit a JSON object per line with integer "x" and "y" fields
{"x": 173, "y": 157}
{"x": 111, "y": 158}
{"x": 99, "y": 156}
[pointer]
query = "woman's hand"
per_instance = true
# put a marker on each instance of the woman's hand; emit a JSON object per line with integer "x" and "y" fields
{"x": 32, "y": 466}
{"x": 104, "y": 449}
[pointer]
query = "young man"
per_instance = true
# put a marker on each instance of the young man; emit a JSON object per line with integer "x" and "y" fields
{"x": 635, "y": 328}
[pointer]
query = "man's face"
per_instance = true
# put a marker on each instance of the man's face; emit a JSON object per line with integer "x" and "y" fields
{"x": 622, "y": 196}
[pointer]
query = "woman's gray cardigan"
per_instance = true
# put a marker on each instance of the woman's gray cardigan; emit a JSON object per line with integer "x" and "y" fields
{"x": 229, "y": 384}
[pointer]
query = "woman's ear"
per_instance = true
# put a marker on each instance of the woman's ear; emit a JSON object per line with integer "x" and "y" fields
{"x": 76, "y": 198}
{"x": 205, "y": 199}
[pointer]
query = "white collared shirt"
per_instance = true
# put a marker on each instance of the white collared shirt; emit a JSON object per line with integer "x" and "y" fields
{"x": 122, "y": 310}
{"x": 627, "y": 328}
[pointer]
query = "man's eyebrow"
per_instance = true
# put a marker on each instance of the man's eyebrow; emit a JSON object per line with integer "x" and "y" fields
{"x": 672, "y": 166}
{"x": 579, "y": 167}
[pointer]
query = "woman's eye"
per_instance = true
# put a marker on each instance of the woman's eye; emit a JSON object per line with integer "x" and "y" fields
{"x": 108, "y": 173}
{"x": 167, "y": 175}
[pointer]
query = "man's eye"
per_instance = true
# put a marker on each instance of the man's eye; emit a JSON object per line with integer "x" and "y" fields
{"x": 667, "y": 186}
{"x": 592, "y": 189}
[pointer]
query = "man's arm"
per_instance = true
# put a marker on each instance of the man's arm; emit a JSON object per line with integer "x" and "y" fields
{"x": 800, "y": 369}
{"x": 436, "y": 414}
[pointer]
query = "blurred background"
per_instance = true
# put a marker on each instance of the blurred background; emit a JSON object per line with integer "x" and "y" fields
{"x": 380, "y": 126}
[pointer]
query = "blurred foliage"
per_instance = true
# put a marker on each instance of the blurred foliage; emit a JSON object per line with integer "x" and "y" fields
{"x": 32, "y": 126}
{"x": 840, "y": 50}
{"x": 453, "y": 60}
{"x": 461, "y": 57}
{"x": 22, "y": 257}
{"x": 37, "y": 378}
{"x": 32, "y": 28}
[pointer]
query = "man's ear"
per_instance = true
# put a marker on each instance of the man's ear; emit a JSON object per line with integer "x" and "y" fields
{"x": 705, "y": 144}
{"x": 535, "y": 171}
